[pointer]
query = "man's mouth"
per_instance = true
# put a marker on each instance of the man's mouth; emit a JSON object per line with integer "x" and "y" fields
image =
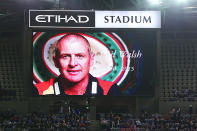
{"x": 73, "y": 72}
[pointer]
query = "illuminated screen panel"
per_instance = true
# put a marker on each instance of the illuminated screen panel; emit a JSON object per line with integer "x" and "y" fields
{"x": 117, "y": 63}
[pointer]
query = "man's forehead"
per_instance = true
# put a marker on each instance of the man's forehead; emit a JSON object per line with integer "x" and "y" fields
{"x": 73, "y": 47}
{"x": 69, "y": 40}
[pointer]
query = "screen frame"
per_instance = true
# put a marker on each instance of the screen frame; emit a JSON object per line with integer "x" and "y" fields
{"x": 28, "y": 37}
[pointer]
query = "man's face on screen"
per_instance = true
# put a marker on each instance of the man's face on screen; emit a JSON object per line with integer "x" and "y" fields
{"x": 73, "y": 58}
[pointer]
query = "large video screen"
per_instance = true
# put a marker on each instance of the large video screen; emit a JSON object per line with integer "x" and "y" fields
{"x": 120, "y": 63}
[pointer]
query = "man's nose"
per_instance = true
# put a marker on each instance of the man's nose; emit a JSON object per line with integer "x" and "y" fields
{"x": 72, "y": 61}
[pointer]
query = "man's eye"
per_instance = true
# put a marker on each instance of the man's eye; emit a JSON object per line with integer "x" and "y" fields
{"x": 80, "y": 56}
{"x": 65, "y": 56}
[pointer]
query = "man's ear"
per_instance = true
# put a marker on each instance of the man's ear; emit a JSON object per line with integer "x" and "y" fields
{"x": 92, "y": 55}
{"x": 55, "y": 60}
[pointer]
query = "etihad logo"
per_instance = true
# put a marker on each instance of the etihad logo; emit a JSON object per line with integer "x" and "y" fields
{"x": 94, "y": 19}
{"x": 60, "y": 18}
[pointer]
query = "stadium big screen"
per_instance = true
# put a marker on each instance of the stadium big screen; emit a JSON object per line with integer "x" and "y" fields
{"x": 123, "y": 58}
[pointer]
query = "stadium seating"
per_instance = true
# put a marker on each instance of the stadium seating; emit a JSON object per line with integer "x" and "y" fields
{"x": 10, "y": 70}
{"x": 178, "y": 69}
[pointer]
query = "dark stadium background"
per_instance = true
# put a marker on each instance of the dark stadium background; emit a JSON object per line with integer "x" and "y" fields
{"x": 176, "y": 83}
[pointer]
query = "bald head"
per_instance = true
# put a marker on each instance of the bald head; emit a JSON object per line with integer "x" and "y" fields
{"x": 71, "y": 38}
